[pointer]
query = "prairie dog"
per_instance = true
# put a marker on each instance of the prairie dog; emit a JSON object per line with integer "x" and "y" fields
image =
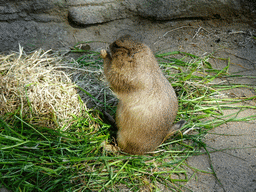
{"x": 147, "y": 104}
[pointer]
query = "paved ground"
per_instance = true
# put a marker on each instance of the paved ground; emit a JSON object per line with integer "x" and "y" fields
{"x": 235, "y": 167}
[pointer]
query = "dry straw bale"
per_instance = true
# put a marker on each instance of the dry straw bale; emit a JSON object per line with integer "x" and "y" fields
{"x": 32, "y": 88}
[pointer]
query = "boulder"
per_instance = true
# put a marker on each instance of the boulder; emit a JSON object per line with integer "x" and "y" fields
{"x": 93, "y": 14}
{"x": 183, "y": 9}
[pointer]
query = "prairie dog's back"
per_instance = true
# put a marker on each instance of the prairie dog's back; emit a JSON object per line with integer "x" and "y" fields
{"x": 147, "y": 102}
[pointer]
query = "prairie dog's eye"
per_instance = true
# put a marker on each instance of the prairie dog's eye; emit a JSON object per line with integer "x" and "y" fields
{"x": 115, "y": 45}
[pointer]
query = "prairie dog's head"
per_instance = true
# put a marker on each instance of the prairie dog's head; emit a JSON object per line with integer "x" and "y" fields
{"x": 127, "y": 45}
{"x": 128, "y": 51}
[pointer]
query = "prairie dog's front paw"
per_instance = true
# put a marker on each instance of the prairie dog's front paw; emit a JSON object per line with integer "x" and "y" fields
{"x": 103, "y": 53}
{"x": 110, "y": 147}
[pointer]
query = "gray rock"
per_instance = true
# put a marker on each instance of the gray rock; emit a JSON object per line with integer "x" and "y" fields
{"x": 31, "y": 35}
{"x": 2, "y": 189}
{"x": 88, "y": 2}
{"x": 44, "y": 18}
{"x": 50, "y": 23}
{"x": 90, "y": 14}
{"x": 169, "y": 10}
{"x": 11, "y": 10}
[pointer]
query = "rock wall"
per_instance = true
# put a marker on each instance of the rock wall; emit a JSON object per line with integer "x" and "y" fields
{"x": 100, "y": 11}
{"x": 179, "y": 9}
{"x": 53, "y": 23}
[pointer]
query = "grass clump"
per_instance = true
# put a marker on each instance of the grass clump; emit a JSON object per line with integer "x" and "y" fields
{"x": 34, "y": 90}
{"x": 36, "y": 157}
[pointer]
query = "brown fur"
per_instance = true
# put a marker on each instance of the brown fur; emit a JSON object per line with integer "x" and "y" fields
{"x": 147, "y": 104}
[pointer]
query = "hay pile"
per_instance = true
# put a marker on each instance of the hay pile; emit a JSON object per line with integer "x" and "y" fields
{"x": 33, "y": 89}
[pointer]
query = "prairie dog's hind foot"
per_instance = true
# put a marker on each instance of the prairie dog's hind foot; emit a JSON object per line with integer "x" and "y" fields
{"x": 103, "y": 53}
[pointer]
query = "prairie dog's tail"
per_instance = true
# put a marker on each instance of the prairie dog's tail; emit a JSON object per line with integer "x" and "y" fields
{"x": 174, "y": 129}
{"x": 177, "y": 126}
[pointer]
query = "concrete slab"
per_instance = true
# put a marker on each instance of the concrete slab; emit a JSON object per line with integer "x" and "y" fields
{"x": 234, "y": 163}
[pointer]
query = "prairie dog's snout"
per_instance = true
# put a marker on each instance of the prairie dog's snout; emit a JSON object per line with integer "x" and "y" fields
{"x": 147, "y": 104}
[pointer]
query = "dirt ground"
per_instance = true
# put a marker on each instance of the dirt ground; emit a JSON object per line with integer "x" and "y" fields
{"x": 235, "y": 167}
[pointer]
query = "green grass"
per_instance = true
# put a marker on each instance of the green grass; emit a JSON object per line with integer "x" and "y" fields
{"x": 41, "y": 159}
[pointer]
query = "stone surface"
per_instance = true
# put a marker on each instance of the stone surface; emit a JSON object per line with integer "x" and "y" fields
{"x": 37, "y": 10}
{"x": 3, "y": 189}
{"x": 31, "y": 35}
{"x": 92, "y": 14}
{"x": 89, "y": 2}
{"x": 57, "y": 23}
{"x": 235, "y": 166}
{"x": 169, "y": 10}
